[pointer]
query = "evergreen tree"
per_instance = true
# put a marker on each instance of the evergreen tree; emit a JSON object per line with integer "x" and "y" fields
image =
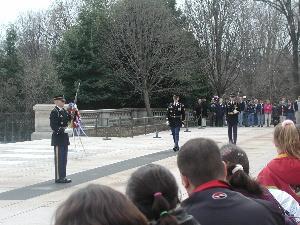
{"x": 80, "y": 55}
{"x": 10, "y": 73}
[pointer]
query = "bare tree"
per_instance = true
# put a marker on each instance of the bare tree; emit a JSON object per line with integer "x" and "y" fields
{"x": 291, "y": 11}
{"x": 263, "y": 52}
{"x": 40, "y": 80}
{"x": 272, "y": 44}
{"x": 217, "y": 26}
{"x": 148, "y": 49}
{"x": 59, "y": 18}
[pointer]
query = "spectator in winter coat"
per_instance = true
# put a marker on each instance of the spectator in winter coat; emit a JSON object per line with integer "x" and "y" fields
{"x": 198, "y": 112}
{"x": 268, "y": 112}
{"x": 251, "y": 113}
{"x": 220, "y": 113}
{"x": 283, "y": 172}
{"x": 204, "y": 112}
{"x": 259, "y": 111}
{"x": 283, "y": 109}
{"x": 290, "y": 111}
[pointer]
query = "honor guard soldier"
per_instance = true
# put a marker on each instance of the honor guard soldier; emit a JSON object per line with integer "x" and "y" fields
{"x": 232, "y": 113}
{"x": 59, "y": 119}
{"x": 175, "y": 119}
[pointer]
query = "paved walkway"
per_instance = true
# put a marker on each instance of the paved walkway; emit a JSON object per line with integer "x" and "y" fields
{"x": 29, "y": 197}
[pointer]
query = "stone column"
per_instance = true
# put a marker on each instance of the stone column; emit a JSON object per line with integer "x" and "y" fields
{"x": 42, "y": 122}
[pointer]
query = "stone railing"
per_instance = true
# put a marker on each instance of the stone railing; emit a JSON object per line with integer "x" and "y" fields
{"x": 92, "y": 119}
{"x": 15, "y": 127}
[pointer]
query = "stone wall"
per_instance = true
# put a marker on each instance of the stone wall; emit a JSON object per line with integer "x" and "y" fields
{"x": 95, "y": 122}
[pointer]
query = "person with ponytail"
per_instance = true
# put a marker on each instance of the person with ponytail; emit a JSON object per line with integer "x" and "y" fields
{"x": 283, "y": 172}
{"x": 237, "y": 164}
{"x": 153, "y": 189}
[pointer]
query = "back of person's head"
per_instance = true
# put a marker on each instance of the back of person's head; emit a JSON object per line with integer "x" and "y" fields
{"x": 238, "y": 169}
{"x": 286, "y": 138}
{"x": 200, "y": 161}
{"x": 98, "y": 205}
{"x": 153, "y": 189}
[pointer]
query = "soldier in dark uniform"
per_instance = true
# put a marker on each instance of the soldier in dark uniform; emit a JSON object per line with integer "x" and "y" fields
{"x": 198, "y": 112}
{"x": 232, "y": 113}
{"x": 175, "y": 119}
{"x": 59, "y": 119}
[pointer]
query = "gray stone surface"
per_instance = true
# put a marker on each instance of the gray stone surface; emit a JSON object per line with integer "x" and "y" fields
{"x": 46, "y": 187}
{"x": 31, "y": 163}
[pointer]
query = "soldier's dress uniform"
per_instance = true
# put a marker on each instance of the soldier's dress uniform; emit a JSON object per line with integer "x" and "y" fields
{"x": 59, "y": 119}
{"x": 175, "y": 118}
{"x": 232, "y": 113}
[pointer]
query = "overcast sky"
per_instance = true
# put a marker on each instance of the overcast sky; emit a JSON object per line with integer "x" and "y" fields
{"x": 9, "y": 9}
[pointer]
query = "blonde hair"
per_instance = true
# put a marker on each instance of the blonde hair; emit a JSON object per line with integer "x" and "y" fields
{"x": 286, "y": 137}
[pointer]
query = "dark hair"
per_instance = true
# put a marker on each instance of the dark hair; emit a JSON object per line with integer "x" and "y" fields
{"x": 98, "y": 205}
{"x": 232, "y": 155}
{"x": 200, "y": 160}
{"x": 153, "y": 189}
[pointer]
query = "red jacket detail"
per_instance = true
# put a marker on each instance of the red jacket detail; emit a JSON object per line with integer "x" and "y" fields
{"x": 282, "y": 172}
{"x": 267, "y": 108}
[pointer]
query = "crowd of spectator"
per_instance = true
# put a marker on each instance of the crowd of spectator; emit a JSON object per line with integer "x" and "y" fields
{"x": 220, "y": 189}
{"x": 252, "y": 111}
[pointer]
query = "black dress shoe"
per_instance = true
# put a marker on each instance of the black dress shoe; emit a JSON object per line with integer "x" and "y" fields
{"x": 176, "y": 149}
{"x": 59, "y": 181}
{"x": 66, "y": 180}
{"x": 63, "y": 181}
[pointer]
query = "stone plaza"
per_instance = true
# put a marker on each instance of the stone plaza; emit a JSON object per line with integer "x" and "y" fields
{"x": 29, "y": 196}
